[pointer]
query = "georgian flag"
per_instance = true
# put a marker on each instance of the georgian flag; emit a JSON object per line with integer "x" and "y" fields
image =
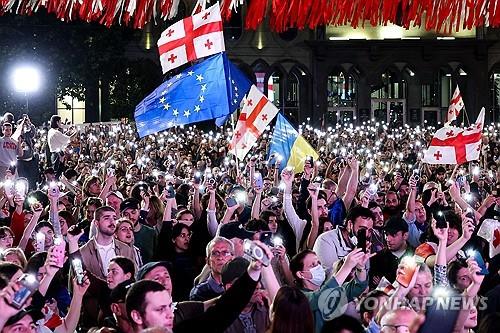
{"x": 456, "y": 105}
{"x": 490, "y": 231}
{"x": 256, "y": 114}
{"x": 454, "y": 145}
{"x": 192, "y": 38}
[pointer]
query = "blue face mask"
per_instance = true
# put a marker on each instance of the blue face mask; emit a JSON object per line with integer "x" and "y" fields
{"x": 318, "y": 275}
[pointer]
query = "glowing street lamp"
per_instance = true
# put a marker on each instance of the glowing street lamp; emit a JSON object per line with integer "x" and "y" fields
{"x": 26, "y": 79}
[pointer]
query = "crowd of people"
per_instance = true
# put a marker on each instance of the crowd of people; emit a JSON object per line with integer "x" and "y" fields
{"x": 105, "y": 232}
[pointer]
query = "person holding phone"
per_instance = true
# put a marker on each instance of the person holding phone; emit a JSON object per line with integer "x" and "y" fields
{"x": 310, "y": 276}
{"x": 385, "y": 262}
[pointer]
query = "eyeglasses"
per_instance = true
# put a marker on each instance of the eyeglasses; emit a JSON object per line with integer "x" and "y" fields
{"x": 185, "y": 235}
{"x": 397, "y": 328}
{"x": 221, "y": 254}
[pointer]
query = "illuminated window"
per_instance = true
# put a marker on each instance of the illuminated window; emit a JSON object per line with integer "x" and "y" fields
{"x": 445, "y": 78}
{"x": 273, "y": 88}
{"x": 71, "y": 109}
{"x": 391, "y": 86}
{"x": 341, "y": 90}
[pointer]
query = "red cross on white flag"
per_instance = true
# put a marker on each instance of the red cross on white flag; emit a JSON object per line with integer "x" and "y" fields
{"x": 454, "y": 145}
{"x": 456, "y": 105}
{"x": 256, "y": 114}
{"x": 192, "y": 38}
{"x": 490, "y": 231}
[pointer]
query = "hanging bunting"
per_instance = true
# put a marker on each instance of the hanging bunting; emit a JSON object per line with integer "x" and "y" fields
{"x": 443, "y": 16}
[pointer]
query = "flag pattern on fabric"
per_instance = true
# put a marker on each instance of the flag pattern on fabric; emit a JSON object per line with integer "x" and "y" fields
{"x": 456, "y": 105}
{"x": 490, "y": 231}
{"x": 237, "y": 87}
{"x": 290, "y": 145}
{"x": 192, "y": 38}
{"x": 454, "y": 145}
{"x": 256, "y": 114}
{"x": 199, "y": 93}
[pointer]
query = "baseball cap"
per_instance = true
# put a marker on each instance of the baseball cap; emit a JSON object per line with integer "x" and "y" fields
{"x": 119, "y": 292}
{"x": 145, "y": 269}
{"x": 395, "y": 224}
{"x": 131, "y": 203}
{"x": 35, "y": 314}
{"x": 235, "y": 230}
{"x": 117, "y": 194}
{"x": 234, "y": 269}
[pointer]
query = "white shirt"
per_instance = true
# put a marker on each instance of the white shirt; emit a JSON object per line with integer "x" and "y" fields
{"x": 57, "y": 141}
{"x": 330, "y": 246}
{"x": 106, "y": 253}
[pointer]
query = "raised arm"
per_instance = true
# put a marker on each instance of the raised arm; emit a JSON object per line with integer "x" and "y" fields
{"x": 70, "y": 322}
{"x": 195, "y": 202}
{"x": 345, "y": 175}
{"x": 37, "y": 212}
{"x": 410, "y": 203}
{"x": 212, "y": 222}
{"x": 256, "y": 202}
{"x": 352, "y": 185}
{"x": 313, "y": 233}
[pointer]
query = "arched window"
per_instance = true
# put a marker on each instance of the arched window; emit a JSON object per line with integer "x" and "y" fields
{"x": 274, "y": 88}
{"x": 292, "y": 99}
{"x": 445, "y": 81}
{"x": 342, "y": 90}
{"x": 392, "y": 85}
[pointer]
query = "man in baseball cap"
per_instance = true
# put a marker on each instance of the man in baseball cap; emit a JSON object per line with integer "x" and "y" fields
{"x": 385, "y": 263}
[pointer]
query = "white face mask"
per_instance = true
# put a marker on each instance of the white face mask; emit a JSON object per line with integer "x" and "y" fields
{"x": 318, "y": 275}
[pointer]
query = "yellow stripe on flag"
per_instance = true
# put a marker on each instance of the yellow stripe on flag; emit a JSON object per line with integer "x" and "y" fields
{"x": 300, "y": 149}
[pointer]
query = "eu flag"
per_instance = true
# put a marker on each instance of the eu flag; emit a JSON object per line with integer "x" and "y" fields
{"x": 210, "y": 89}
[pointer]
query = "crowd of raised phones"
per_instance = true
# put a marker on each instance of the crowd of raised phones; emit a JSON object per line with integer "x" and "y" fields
{"x": 102, "y": 231}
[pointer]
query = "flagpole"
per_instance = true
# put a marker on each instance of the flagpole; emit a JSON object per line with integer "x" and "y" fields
{"x": 235, "y": 148}
{"x": 453, "y": 174}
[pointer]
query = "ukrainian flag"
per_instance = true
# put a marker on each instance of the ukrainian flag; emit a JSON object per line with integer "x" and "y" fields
{"x": 290, "y": 145}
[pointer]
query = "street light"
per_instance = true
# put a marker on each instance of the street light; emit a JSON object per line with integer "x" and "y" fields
{"x": 26, "y": 79}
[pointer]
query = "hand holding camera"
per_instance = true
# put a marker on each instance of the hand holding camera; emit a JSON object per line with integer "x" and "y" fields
{"x": 259, "y": 252}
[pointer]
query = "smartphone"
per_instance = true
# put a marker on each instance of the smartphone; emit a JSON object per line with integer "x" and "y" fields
{"x": 197, "y": 177}
{"x": 59, "y": 250}
{"x": 256, "y": 252}
{"x": 258, "y": 180}
{"x": 79, "y": 227}
{"x": 440, "y": 220}
{"x": 438, "y": 316}
{"x": 416, "y": 175}
{"x": 470, "y": 214}
{"x": 29, "y": 285}
{"x": 21, "y": 187}
{"x": 40, "y": 242}
{"x": 53, "y": 188}
{"x": 78, "y": 269}
{"x": 405, "y": 272}
{"x": 361, "y": 236}
{"x": 476, "y": 255}
{"x": 266, "y": 238}
{"x": 231, "y": 202}
{"x": 170, "y": 192}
